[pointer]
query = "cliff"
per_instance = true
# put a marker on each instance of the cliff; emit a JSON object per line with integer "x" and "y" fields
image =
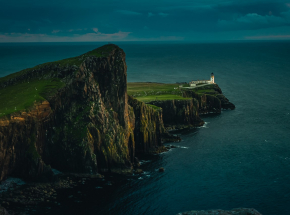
{"x": 150, "y": 126}
{"x": 210, "y": 99}
{"x": 82, "y": 124}
{"x": 74, "y": 115}
{"x": 179, "y": 113}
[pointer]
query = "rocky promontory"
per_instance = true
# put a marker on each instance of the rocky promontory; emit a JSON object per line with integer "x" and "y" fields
{"x": 79, "y": 116}
{"x": 74, "y": 115}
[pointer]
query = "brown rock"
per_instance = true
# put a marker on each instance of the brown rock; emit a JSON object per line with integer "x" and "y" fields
{"x": 161, "y": 169}
{"x": 138, "y": 171}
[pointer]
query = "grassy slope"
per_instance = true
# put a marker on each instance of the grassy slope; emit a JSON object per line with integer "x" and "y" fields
{"x": 146, "y": 92}
{"x": 99, "y": 52}
{"x": 22, "y": 96}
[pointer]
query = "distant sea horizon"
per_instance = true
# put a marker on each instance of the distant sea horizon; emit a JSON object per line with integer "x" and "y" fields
{"x": 239, "y": 158}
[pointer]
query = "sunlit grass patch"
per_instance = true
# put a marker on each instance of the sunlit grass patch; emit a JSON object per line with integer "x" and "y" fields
{"x": 160, "y": 98}
{"x": 23, "y": 95}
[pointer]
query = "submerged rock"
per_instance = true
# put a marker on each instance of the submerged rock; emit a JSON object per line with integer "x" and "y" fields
{"x": 161, "y": 169}
{"x": 138, "y": 171}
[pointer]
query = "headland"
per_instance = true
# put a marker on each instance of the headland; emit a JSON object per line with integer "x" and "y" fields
{"x": 79, "y": 115}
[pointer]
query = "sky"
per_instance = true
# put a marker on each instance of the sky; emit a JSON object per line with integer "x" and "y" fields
{"x": 143, "y": 20}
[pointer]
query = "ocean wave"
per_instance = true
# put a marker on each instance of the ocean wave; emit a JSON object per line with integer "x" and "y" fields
{"x": 205, "y": 125}
{"x": 145, "y": 173}
{"x": 183, "y": 147}
{"x": 144, "y": 161}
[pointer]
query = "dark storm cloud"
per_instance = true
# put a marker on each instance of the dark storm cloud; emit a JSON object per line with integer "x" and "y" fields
{"x": 142, "y": 20}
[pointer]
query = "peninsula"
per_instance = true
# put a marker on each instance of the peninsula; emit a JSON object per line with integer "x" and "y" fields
{"x": 80, "y": 115}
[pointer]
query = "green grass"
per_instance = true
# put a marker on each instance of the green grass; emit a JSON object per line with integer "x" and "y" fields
{"x": 160, "y": 98}
{"x": 154, "y": 107}
{"x": 99, "y": 52}
{"x": 144, "y": 88}
{"x": 204, "y": 90}
{"x": 23, "y": 95}
{"x": 209, "y": 88}
{"x": 146, "y": 92}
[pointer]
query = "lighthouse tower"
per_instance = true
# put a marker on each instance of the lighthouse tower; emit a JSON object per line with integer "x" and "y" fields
{"x": 212, "y": 78}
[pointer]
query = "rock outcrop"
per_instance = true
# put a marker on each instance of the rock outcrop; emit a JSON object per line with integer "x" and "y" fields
{"x": 210, "y": 102}
{"x": 86, "y": 127}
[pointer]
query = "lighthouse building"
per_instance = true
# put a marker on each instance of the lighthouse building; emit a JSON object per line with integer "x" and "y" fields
{"x": 194, "y": 83}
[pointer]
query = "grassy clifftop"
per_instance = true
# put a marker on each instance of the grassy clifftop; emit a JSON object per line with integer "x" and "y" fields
{"x": 23, "y": 95}
{"x": 20, "y": 90}
{"x": 147, "y": 91}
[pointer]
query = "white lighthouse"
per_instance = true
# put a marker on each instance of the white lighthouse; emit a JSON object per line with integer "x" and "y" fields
{"x": 212, "y": 78}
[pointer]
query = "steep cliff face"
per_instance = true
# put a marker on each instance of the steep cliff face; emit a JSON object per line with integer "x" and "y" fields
{"x": 19, "y": 135}
{"x": 94, "y": 122}
{"x": 86, "y": 126}
{"x": 149, "y": 128}
{"x": 180, "y": 112}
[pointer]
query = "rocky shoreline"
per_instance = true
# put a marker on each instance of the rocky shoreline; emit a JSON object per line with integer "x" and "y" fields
{"x": 20, "y": 199}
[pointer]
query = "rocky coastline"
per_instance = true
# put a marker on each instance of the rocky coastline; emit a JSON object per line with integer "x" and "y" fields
{"x": 89, "y": 126}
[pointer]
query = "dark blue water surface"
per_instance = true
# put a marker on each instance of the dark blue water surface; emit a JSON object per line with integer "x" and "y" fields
{"x": 240, "y": 158}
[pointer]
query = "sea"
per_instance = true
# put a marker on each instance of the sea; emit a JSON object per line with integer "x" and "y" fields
{"x": 239, "y": 158}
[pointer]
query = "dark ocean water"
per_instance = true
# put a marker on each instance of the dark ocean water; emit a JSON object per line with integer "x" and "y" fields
{"x": 240, "y": 158}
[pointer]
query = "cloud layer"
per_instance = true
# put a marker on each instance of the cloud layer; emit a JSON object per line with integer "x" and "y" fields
{"x": 128, "y": 20}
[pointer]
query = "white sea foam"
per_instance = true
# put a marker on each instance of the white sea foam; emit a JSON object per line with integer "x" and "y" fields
{"x": 183, "y": 147}
{"x": 146, "y": 173}
{"x": 165, "y": 152}
{"x": 144, "y": 161}
{"x": 140, "y": 178}
{"x": 55, "y": 171}
{"x": 205, "y": 125}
